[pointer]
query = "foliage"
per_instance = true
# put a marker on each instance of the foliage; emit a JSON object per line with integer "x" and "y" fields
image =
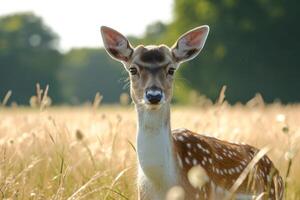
{"x": 86, "y": 71}
{"x": 251, "y": 48}
{"x": 27, "y": 55}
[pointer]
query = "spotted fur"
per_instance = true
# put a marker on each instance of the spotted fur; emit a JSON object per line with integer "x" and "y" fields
{"x": 223, "y": 162}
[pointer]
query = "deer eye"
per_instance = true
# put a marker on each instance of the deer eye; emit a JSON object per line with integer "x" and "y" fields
{"x": 171, "y": 71}
{"x": 133, "y": 70}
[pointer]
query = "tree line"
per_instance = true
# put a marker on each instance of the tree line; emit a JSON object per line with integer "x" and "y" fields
{"x": 252, "y": 48}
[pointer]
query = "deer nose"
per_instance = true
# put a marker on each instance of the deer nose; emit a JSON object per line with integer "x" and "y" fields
{"x": 154, "y": 95}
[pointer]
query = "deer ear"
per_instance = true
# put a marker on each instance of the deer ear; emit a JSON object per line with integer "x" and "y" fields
{"x": 190, "y": 44}
{"x": 117, "y": 45}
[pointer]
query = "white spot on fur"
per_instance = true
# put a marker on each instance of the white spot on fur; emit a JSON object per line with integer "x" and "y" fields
{"x": 241, "y": 167}
{"x": 187, "y": 160}
{"x": 199, "y": 146}
{"x": 244, "y": 162}
{"x": 195, "y": 162}
{"x": 188, "y": 145}
{"x": 181, "y": 138}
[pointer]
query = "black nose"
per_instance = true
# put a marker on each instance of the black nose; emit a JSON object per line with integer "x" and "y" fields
{"x": 154, "y": 95}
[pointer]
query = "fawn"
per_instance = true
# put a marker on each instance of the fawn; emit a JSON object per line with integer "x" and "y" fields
{"x": 165, "y": 157}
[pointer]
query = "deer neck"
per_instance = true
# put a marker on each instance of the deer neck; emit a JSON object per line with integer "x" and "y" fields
{"x": 155, "y": 146}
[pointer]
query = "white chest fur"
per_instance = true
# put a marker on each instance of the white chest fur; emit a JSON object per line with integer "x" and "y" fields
{"x": 154, "y": 148}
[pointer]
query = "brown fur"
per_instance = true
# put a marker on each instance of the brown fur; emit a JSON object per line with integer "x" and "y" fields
{"x": 218, "y": 159}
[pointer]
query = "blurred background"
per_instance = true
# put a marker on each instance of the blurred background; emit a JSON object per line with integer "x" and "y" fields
{"x": 252, "y": 48}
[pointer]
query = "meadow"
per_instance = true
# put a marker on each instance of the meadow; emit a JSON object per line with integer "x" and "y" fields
{"x": 88, "y": 152}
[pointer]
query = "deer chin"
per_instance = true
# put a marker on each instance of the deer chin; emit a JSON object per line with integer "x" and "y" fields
{"x": 148, "y": 106}
{"x": 153, "y": 106}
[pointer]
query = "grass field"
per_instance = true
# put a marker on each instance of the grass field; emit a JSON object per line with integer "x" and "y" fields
{"x": 87, "y": 153}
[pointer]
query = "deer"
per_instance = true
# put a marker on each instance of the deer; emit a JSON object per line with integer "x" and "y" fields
{"x": 166, "y": 156}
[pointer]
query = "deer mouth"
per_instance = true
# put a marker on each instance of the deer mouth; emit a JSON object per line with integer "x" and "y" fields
{"x": 154, "y": 106}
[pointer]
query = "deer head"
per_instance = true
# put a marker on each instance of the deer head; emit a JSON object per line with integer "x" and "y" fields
{"x": 151, "y": 68}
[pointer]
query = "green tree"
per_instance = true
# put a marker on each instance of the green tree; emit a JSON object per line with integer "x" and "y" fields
{"x": 252, "y": 47}
{"x": 87, "y": 71}
{"x": 28, "y": 55}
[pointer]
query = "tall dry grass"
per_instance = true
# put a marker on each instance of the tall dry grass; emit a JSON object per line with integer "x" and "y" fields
{"x": 89, "y": 152}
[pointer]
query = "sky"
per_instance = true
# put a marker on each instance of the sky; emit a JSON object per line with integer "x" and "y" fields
{"x": 78, "y": 22}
